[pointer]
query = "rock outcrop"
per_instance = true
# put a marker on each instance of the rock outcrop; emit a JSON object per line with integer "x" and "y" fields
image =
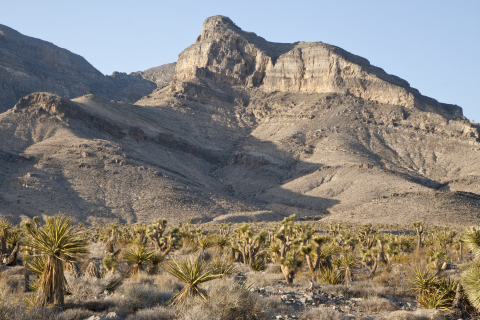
{"x": 225, "y": 53}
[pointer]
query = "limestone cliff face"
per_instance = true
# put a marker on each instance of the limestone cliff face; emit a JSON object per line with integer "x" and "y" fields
{"x": 225, "y": 53}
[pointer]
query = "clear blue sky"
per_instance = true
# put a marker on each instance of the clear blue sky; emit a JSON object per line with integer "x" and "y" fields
{"x": 434, "y": 45}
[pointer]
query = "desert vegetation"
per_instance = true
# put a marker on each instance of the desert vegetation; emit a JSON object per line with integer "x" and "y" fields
{"x": 59, "y": 269}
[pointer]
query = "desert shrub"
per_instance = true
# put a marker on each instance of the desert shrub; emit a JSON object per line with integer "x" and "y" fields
{"x": 324, "y": 314}
{"x": 363, "y": 289}
{"x": 227, "y": 300}
{"x": 376, "y": 304}
{"x": 273, "y": 268}
{"x": 419, "y": 314}
{"x": 74, "y": 314}
{"x": 84, "y": 288}
{"x": 168, "y": 283}
{"x": 156, "y": 313}
{"x": 92, "y": 305}
{"x": 140, "y": 296}
{"x": 262, "y": 280}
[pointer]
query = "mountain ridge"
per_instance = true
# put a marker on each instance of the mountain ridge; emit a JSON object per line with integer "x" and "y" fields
{"x": 228, "y": 140}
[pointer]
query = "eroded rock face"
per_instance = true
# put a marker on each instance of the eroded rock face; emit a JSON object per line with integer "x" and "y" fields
{"x": 225, "y": 53}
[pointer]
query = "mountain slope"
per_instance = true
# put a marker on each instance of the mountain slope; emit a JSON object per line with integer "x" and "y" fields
{"x": 247, "y": 129}
{"x": 30, "y": 65}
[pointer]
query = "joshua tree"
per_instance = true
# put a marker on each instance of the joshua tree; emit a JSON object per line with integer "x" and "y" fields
{"x": 420, "y": 228}
{"x": 367, "y": 236}
{"x": 347, "y": 262}
{"x": 286, "y": 251}
{"x": 55, "y": 243}
{"x": 110, "y": 263}
{"x": 370, "y": 260}
{"x": 5, "y": 228}
{"x": 249, "y": 245}
{"x": 314, "y": 255}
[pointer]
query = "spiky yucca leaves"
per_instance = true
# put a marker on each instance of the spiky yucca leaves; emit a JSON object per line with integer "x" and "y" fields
{"x": 223, "y": 266}
{"x": 257, "y": 265}
{"x": 471, "y": 238}
{"x": 192, "y": 271}
{"x": 432, "y": 292}
{"x": 423, "y": 282}
{"x": 155, "y": 261}
{"x": 439, "y": 259}
{"x": 347, "y": 262}
{"x": 56, "y": 242}
{"x": 137, "y": 256}
{"x": 330, "y": 276}
{"x": 110, "y": 263}
{"x": 471, "y": 285}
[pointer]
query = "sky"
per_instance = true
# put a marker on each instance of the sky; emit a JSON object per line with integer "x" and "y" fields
{"x": 434, "y": 45}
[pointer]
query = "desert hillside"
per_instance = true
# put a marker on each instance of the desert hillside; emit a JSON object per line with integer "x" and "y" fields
{"x": 243, "y": 129}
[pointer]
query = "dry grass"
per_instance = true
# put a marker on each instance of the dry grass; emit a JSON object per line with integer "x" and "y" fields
{"x": 85, "y": 288}
{"x": 323, "y": 313}
{"x": 376, "y": 304}
{"x": 262, "y": 280}
{"x": 420, "y": 314}
{"x": 156, "y": 313}
{"x": 360, "y": 289}
{"x": 227, "y": 301}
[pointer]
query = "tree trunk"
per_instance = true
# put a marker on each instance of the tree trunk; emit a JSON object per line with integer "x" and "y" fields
{"x": 288, "y": 274}
{"x": 373, "y": 269}
{"x": 12, "y": 260}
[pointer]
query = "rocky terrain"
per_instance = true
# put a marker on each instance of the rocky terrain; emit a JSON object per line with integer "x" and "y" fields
{"x": 246, "y": 130}
{"x": 31, "y": 65}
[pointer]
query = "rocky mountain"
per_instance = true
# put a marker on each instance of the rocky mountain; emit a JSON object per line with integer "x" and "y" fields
{"x": 246, "y": 130}
{"x": 31, "y": 65}
{"x": 161, "y": 75}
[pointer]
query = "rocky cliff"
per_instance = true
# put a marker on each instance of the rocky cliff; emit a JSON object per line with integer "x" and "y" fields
{"x": 223, "y": 52}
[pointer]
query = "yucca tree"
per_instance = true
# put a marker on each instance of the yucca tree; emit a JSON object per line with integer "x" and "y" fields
{"x": 471, "y": 277}
{"x": 347, "y": 262}
{"x": 192, "y": 271}
{"x": 57, "y": 242}
{"x": 138, "y": 256}
{"x": 5, "y": 228}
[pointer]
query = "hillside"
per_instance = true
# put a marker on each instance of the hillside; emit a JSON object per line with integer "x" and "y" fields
{"x": 247, "y": 130}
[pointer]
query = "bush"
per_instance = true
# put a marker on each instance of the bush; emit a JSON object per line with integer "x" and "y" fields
{"x": 157, "y": 313}
{"x": 376, "y": 304}
{"x": 324, "y": 314}
{"x": 140, "y": 296}
{"x": 227, "y": 300}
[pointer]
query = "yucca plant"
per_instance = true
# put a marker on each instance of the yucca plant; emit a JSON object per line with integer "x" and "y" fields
{"x": 155, "y": 261}
{"x": 471, "y": 277}
{"x": 137, "y": 256}
{"x": 347, "y": 262}
{"x": 223, "y": 266}
{"x": 110, "y": 263}
{"x": 5, "y": 227}
{"x": 56, "y": 242}
{"x": 330, "y": 276}
{"x": 192, "y": 271}
{"x": 257, "y": 265}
